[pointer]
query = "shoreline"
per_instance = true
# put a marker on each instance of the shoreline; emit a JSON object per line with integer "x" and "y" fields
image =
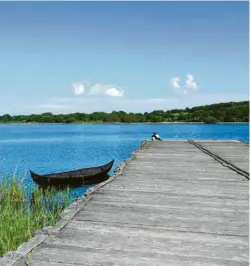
{"x": 120, "y": 123}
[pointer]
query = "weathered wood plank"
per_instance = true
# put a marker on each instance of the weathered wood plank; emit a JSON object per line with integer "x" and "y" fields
{"x": 234, "y": 152}
{"x": 198, "y": 176}
{"x": 147, "y": 197}
{"x": 203, "y": 223}
{"x": 89, "y": 236}
{"x": 82, "y": 255}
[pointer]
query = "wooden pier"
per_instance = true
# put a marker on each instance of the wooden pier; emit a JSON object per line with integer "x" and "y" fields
{"x": 177, "y": 203}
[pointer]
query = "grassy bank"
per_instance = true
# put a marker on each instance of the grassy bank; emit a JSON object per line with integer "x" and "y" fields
{"x": 21, "y": 215}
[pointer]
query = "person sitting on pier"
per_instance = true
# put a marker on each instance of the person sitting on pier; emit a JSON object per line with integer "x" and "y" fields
{"x": 155, "y": 136}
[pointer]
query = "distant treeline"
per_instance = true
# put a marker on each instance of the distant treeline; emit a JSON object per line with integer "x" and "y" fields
{"x": 210, "y": 114}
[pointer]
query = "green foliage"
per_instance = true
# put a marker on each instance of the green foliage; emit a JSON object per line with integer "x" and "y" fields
{"x": 21, "y": 217}
{"x": 210, "y": 120}
{"x": 220, "y": 112}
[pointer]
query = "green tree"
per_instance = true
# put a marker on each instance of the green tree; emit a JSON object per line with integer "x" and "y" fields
{"x": 6, "y": 118}
{"x": 210, "y": 120}
{"x": 224, "y": 112}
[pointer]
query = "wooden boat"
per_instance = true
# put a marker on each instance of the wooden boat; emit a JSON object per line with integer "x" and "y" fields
{"x": 76, "y": 178}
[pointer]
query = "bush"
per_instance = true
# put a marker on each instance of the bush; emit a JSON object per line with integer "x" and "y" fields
{"x": 210, "y": 120}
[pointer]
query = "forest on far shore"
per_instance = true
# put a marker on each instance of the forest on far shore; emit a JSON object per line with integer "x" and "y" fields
{"x": 209, "y": 114}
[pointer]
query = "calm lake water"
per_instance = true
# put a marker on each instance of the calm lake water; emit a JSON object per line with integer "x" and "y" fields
{"x": 52, "y": 148}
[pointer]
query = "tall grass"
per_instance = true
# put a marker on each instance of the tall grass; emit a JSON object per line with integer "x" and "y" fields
{"x": 21, "y": 214}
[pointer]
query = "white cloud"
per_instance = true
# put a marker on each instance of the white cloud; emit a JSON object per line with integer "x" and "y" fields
{"x": 97, "y": 89}
{"x": 190, "y": 84}
{"x": 175, "y": 82}
{"x": 78, "y": 88}
{"x": 114, "y": 92}
{"x": 105, "y": 89}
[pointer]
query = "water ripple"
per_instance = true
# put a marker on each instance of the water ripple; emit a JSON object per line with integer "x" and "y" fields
{"x": 52, "y": 148}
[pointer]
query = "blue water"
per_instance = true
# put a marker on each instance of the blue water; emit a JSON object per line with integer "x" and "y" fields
{"x": 51, "y": 148}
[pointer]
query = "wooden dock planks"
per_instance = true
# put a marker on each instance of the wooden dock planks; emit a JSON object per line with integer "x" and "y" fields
{"x": 234, "y": 152}
{"x": 173, "y": 205}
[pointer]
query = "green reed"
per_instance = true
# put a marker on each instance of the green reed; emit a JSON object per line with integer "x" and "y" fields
{"x": 21, "y": 215}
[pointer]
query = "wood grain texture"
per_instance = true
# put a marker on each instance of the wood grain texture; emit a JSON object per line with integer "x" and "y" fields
{"x": 234, "y": 152}
{"x": 173, "y": 205}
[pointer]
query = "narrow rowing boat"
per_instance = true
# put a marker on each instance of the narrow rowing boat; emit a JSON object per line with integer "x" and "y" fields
{"x": 80, "y": 177}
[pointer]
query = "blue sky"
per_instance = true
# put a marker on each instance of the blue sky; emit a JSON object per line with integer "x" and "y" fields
{"x": 134, "y": 56}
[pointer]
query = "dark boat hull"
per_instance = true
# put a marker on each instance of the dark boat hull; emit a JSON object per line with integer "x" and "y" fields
{"x": 81, "y": 177}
